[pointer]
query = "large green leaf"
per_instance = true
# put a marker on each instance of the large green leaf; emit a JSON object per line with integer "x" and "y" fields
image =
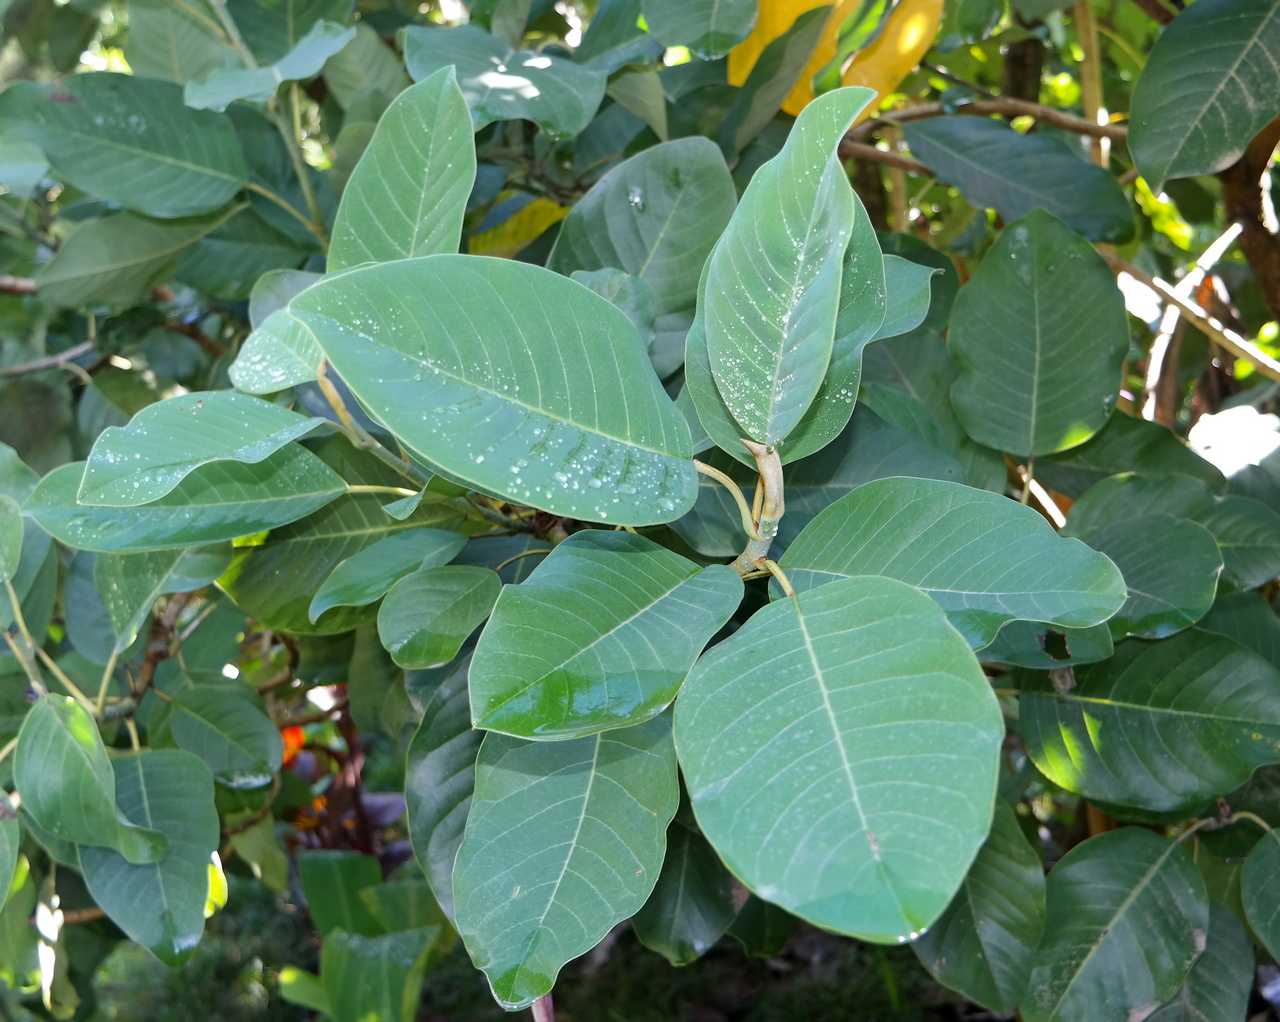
{"x": 369, "y": 978}
{"x": 169, "y": 41}
{"x": 130, "y": 583}
{"x": 1127, "y": 916}
{"x": 693, "y": 904}
{"x": 1259, "y": 888}
{"x": 409, "y": 191}
{"x": 1161, "y": 726}
{"x": 259, "y": 84}
{"x": 161, "y": 904}
{"x": 1013, "y": 173}
{"x": 366, "y": 576}
{"x": 1248, "y": 536}
{"x": 427, "y": 616}
{"x": 657, "y": 216}
{"x": 439, "y": 780}
{"x": 1165, "y": 594}
{"x": 856, "y": 716}
{"x": 273, "y": 27}
{"x": 229, "y": 260}
{"x": 10, "y": 840}
{"x": 983, "y": 558}
{"x": 985, "y": 942}
{"x": 502, "y": 84}
{"x": 114, "y": 260}
{"x": 66, "y": 782}
{"x": 1221, "y": 980}
{"x": 131, "y": 140}
{"x": 773, "y": 279}
{"x": 235, "y": 739}
{"x": 630, "y": 620}
{"x": 709, "y": 28}
{"x": 11, "y": 537}
{"x": 332, "y": 881}
{"x": 1246, "y": 618}
{"x": 1209, "y": 86}
{"x": 217, "y": 502}
{"x": 564, "y": 841}
{"x": 1039, "y": 332}
{"x": 280, "y": 353}
{"x": 168, "y": 440}
{"x": 365, "y": 66}
{"x": 485, "y": 366}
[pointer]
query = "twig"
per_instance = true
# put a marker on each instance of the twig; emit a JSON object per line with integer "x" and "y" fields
{"x": 17, "y": 285}
{"x": 516, "y": 557}
{"x": 1090, "y": 76}
{"x": 864, "y": 151}
{"x": 1005, "y": 106}
{"x": 258, "y": 814}
{"x": 1201, "y": 320}
{"x": 292, "y": 135}
{"x": 317, "y": 716}
{"x": 83, "y": 915}
{"x": 771, "y": 508}
{"x": 214, "y": 348}
{"x": 1157, "y": 10}
{"x": 48, "y": 361}
{"x": 772, "y": 567}
{"x": 942, "y": 72}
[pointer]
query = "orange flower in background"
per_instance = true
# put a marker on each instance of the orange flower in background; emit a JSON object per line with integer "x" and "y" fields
{"x": 294, "y": 740}
{"x": 891, "y": 56}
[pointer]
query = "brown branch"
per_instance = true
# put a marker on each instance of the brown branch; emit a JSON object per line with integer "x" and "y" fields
{"x": 1156, "y": 10}
{"x": 862, "y": 151}
{"x": 16, "y": 285}
{"x": 314, "y": 718}
{"x": 214, "y": 348}
{"x": 1244, "y": 187}
{"x": 1005, "y": 106}
{"x": 49, "y": 361}
{"x": 83, "y": 915}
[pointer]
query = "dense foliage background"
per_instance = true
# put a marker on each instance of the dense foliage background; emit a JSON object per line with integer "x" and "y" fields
{"x": 350, "y": 578}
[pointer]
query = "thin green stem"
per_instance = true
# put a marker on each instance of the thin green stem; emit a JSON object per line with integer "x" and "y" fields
{"x": 358, "y": 435}
{"x": 232, "y": 32}
{"x": 735, "y": 491}
{"x": 288, "y": 207}
{"x": 399, "y": 491}
{"x": 23, "y": 653}
{"x": 106, "y": 680}
{"x": 9, "y": 746}
{"x": 516, "y": 557}
{"x": 1028, "y": 475}
{"x": 208, "y": 22}
{"x": 773, "y": 569}
{"x": 291, "y": 131}
{"x": 1243, "y": 814}
{"x": 66, "y": 682}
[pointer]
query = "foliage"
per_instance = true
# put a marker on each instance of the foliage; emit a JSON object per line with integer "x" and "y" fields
{"x": 486, "y": 474}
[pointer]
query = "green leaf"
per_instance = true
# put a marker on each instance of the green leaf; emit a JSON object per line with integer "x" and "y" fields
{"x": 366, "y": 576}
{"x": 986, "y": 940}
{"x": 439, "y": 780}
{"x": 280, "y": 353}
{"x": 641, "y": 92}
{"x": 1161, "y": 726}
{"x": 771, "y": 80}
{"x": 401, "y": 905}
{"x": 1166, "y": 594}
{"x": 657, "y": 216}
{"x": 854, "y": 715}
{"x": 1246, "y": 618}
{"x": 10, "y": 840}
{"x": 633, "y": 296}
{"x": 260, "y": 849}
{"x": 273, "y": 27}
{"x": 160, "y": 904}
{"x": 564, "y": 841}
{"x": 427, "y": 616}
{"x": 1055, "y": 377}
{"x": 168, "y": 440}
{"x": 1042, "y": 647}
{"x": 614, "y": 38}
{"x": 773, "y": 280}
{"x": 332, "y": 882}
{"x": 11, "y": 537}
{"x": 131, "y": 140}
{"x": 908, "y": 290}
{"x": 234, "y": 738}
{"x": 214, "y": 503}
{"x": 1221, "y": 980}
{"x": 364, "y": 65}
{"x": 709, "y": 28}
{"x": 984, "y": 559}
{"x": 409, "y": 191}
{"x": 1248, "y": 536}
{"x": 761, "y": 928}
{"x": 129, "y": 585}
{"x": 562, "y": 392}
{"x": 633, "y": 618}
{"x": 1126, "y": 444}
{"x": 67, "y": 784}
{"x": 297, "y": 986}
{"x": 1012, "y": 173}
{"x": 376, "y": 686}
{"x": 1196, "y": 107}
{"x": 502, "y": 84}
{"x": 22, "y": 167}
{"x": 113, "y": 261}
{"x": 168, "y": 41}
{"x": 692, "y": 905}
{"x": 228, "y": 261}
{"x": 259, "y": 84}
{"x": 1127, "y": 494}
{"x": 273, "y": 291}
{"x": 379, "y": 977}
{"x": 1127, "y": 916}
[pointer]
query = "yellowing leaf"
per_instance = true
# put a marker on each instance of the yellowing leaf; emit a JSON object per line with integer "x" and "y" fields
{"x": 776, "y": 17}
{"x": 895, "y": 52}
{"x": 515, "y": 220}
{"x": 218, "y": 891}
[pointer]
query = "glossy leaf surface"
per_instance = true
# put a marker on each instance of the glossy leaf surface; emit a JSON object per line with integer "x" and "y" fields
{"x": 709, "y": 28}
{"x": 366, "y": 576}
{"x": 427, "y": 616}
{"x": 237, "y": 742}
{"x": 1220, "y": 981}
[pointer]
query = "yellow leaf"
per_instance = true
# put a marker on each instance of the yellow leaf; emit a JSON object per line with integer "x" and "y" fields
{"x": 505, "y": 235}
{"x": 217, "y": 897}
{"x": 895, "y": 52}
{"x": 776, "y": 17}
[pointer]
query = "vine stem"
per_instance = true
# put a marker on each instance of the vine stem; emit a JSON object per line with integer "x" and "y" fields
{"x": 772, "y": 507}
{"x": 24, "y": 652}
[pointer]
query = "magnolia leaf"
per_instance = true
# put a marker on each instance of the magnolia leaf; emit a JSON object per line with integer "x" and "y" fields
{"x": 564, "y": 841}
{"x": 855, "y": 715}
{"x": 630, "y": 620}
{"x": 166, "y": 441}
{"x": 215, "y": 502}
{"x": 131, "y": 140}
{"x": 409, "y": 191}
{"x": 561, "y": 391}
{"x": 1127, "y": 917}
{"x": 161, "y": 904}
{"x": 1054, "y": 376}
{"x": 984, "y": 559}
